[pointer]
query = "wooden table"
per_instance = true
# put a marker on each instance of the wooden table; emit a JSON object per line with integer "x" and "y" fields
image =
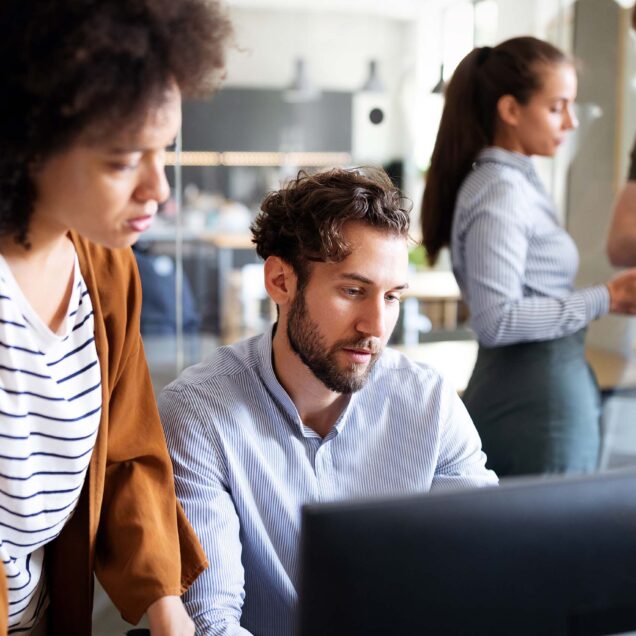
{"x": 455, "y": 361}
{"x": 430, "y": 285}
{"x": 437, "y": 289}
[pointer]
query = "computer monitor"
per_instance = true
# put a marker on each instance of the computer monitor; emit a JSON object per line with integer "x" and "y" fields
{"x": 532, "y": 557}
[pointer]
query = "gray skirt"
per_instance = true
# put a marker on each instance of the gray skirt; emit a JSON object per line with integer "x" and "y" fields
{"x": 537, "y": 407}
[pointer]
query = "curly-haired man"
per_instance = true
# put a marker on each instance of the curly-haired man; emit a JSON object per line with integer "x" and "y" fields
{"x": 316, "y": 409}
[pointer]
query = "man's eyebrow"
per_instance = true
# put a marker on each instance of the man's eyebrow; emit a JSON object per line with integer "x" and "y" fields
{"x": 367, "y": 281}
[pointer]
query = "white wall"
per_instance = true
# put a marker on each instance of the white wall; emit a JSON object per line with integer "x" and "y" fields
{"x": 541, "y": 18}
{"x": 596, "y": 169}
{"x": 337, "y": 48}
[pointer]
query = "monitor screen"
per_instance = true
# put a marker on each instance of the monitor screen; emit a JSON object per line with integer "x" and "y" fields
{"x": 532, "y": 557}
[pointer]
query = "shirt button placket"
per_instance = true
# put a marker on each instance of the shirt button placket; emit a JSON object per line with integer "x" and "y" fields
{"x": 324, "y": 471}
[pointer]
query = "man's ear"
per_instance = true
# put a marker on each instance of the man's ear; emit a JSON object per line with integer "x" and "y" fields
{"x": 280, "y": 280}
{"x": 508, "y": 109}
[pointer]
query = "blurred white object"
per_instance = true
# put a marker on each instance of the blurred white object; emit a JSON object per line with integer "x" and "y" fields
{"x": 371, "y": 127}
{"x": 234, "y": 218}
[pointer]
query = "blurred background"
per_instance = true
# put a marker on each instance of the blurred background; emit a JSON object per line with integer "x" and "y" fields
{"x": 314, "y": 85}
{"x": 308, "y": 88}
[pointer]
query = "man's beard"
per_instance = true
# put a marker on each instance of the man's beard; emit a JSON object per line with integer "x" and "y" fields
{"x": 308, "y": 343}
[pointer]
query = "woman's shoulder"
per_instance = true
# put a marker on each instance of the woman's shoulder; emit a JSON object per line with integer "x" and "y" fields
{"x": 493, "y": 189}
{"x": 488, "y": 179}
{"x": 103, "y": 262}
{"x": 109, "y": 274}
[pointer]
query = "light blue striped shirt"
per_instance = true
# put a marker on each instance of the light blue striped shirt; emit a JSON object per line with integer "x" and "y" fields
{"x": 245, "y": 464}
{"x": 513, "y": 261}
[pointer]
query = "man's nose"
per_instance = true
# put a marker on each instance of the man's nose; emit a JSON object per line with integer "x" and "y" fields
{"x": 372, "y": 321}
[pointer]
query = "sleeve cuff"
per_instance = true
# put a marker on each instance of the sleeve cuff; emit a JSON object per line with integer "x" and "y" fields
{"x": 597, "y": 301}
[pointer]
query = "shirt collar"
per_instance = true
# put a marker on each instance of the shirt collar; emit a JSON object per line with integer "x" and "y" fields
{"x": 269, "y": 376}
{"x": 278, "y": 392}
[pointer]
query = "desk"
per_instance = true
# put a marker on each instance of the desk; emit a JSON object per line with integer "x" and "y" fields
{"x": 432, "y": 286}
{"x": 241, "y": 241}
{"x": 436, "y": 288}
{"x": 455, "y": 361}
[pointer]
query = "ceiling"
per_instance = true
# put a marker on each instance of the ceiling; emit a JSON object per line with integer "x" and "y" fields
{"x": 396, "y": 9}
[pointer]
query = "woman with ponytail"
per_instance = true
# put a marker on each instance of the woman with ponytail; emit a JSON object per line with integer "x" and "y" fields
{"x": 532, "y": 395}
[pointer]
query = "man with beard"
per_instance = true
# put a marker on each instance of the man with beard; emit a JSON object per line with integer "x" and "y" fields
{"x": 314, "y": 410}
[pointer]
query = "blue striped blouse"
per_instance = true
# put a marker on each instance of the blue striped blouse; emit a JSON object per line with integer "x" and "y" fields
{"x": 245, "y": 464}
{"x": 513, "y": 261}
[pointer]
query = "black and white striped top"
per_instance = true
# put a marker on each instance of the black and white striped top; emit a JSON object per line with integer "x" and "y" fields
{"x": 513, "y": 261}
{"x": 50, "y": 406}
{"x": 245, "y": 463}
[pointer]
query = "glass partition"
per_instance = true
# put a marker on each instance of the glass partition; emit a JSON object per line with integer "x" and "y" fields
{"x": 361, "y": 85}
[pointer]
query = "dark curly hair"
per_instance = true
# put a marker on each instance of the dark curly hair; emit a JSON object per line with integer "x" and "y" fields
{"x": 303, "y": 221}
{"x": 70, "y": 67}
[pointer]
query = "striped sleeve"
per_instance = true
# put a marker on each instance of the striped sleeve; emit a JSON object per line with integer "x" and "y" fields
{"x": 215, "y": 599}
{"x": 496, "y": 247}
{"x": 461, "y": 462}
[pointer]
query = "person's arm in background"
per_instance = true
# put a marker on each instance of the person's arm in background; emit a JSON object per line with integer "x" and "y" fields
{"x": 496, "y": 246}
{"x": 621, "y": 241}
{"x": 215, "y": 600}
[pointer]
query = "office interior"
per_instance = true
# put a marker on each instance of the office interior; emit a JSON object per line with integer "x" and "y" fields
{"x": 312, "y": 85}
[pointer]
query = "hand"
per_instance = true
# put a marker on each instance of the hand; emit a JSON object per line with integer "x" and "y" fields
{"x": 167, "y": 617}
{"x": 622, "y": 290}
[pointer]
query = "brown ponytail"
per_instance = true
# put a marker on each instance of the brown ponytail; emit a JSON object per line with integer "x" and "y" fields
{"x": 468, "y": 122}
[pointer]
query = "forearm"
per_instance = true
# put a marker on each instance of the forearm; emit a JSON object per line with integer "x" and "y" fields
{"x": 228, "y": 626}
{"x": 621, "y": 240}
{"x": 539, "y": 318}
{"x": 167, "y": 617}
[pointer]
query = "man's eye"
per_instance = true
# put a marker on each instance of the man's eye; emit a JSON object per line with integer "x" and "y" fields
{"x": 393, "y": 298}
{"x": 352, "y": 291}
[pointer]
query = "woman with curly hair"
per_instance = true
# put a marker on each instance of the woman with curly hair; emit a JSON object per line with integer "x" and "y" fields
{"x": 89, "y": 101}
{"x": 532, "y": 395}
